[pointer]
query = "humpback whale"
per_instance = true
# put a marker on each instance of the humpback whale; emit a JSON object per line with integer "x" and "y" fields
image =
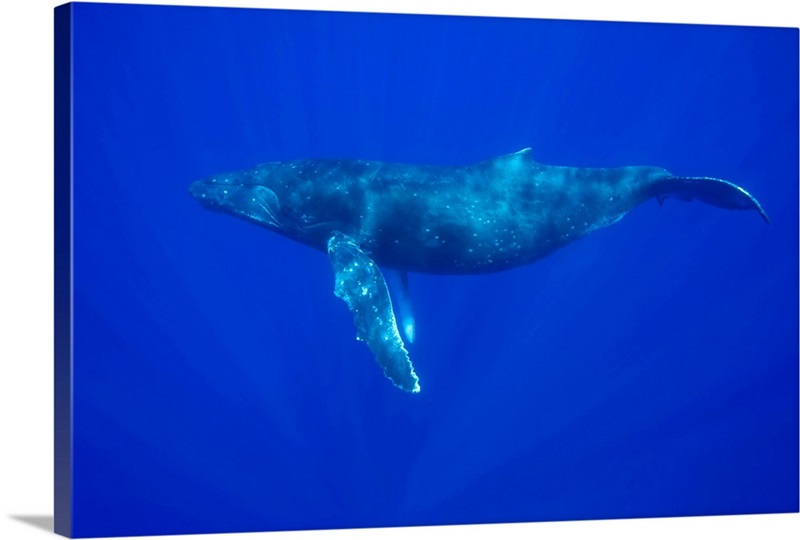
{"x": 486, "y": 217}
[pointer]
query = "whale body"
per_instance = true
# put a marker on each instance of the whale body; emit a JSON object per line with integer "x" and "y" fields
{"x": 486, "y": 217}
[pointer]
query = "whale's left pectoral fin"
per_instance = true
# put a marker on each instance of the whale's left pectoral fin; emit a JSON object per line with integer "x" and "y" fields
{"x": 360, "y": 284}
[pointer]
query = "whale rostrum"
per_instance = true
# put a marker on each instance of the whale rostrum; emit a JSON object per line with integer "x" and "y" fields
{"x": 486, "y": 217}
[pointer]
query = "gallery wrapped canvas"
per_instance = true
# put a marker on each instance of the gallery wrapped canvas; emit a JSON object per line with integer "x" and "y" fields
{"x": 323, "y": 270}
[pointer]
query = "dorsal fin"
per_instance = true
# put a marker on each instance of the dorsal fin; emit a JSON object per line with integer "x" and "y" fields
{"x": 525, "y": 153}
{"x": 515, "y": 159}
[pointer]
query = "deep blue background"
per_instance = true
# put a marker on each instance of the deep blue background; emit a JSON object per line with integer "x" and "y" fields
{"x": 648, "y": 370}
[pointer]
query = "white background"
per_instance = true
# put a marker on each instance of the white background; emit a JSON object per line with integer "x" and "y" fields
{"x": 26, "y": 261}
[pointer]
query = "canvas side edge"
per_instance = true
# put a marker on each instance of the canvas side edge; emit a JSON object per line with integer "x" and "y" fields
{"x": 62, "y": 323}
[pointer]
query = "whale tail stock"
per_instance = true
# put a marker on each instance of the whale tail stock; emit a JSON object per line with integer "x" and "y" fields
{"x": 714, "y": 191}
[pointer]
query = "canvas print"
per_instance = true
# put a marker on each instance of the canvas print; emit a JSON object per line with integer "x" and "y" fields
{"x": 325, "y": 270}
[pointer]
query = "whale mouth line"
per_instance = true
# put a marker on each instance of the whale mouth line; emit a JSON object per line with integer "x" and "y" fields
{"x": 254, "y": 201}
{"x": 268, "y": 211}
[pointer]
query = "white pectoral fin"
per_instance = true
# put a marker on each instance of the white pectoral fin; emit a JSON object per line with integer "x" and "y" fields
{"x": 398, "y": 287}
{"x": 361, "y": 285}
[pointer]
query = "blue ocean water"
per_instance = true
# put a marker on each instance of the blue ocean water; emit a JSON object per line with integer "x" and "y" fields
{"x": 650, "y": 369}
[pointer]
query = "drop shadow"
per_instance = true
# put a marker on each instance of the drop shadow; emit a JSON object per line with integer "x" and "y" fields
{"x": 39, "y": 521}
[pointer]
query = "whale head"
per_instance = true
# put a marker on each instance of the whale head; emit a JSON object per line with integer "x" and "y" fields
{"x": 282, "y": 197}
{"x": 242, "y": 197}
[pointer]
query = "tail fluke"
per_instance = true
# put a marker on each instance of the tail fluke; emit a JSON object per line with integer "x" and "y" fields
{"x": 713, "y": 191}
